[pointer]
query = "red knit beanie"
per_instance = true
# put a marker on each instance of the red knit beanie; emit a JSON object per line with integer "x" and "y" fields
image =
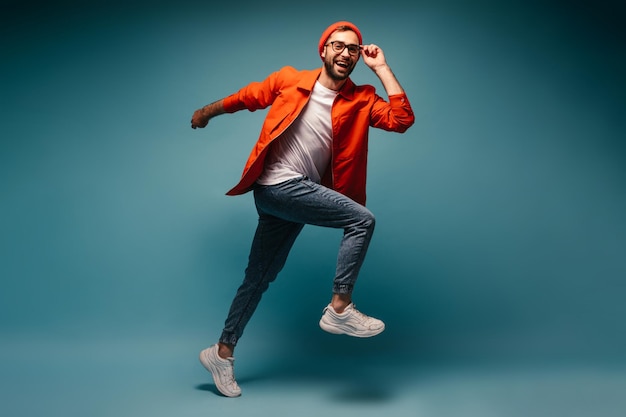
{"x": 330, "y": 29}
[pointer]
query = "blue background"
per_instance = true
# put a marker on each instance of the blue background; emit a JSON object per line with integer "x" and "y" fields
{"x": 498, "y": 260}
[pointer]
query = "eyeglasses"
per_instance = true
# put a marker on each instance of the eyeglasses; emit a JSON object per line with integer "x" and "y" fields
{"x": 339, "y": 46}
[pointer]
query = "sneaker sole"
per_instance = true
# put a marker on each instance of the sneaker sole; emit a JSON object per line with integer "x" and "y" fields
{"x": 334, "y": 329}
{"x": 204, "y": 360}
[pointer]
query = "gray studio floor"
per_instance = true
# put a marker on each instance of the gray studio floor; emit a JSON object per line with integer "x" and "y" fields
{"x": 151, "y": 377}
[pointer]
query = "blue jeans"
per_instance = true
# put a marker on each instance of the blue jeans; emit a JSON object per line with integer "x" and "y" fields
{"x": 283, "y": 210}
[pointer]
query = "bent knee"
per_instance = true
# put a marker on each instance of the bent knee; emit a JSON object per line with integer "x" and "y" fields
{"x": 368, "y": 220}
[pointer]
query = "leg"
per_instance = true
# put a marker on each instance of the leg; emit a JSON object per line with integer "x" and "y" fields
{"x": 283, "y": 210}
{"x": 306, "y": 202}
{"x": 272, "y": 242}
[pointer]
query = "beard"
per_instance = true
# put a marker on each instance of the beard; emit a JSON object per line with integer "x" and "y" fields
{"x": 329, "y": 64}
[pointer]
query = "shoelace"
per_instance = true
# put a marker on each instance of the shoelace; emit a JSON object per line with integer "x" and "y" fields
{"x": 360, "y": 316}
{"x": 229, "y": 372}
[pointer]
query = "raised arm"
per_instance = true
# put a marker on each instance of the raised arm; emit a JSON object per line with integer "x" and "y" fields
{"x": 374, "y": 58}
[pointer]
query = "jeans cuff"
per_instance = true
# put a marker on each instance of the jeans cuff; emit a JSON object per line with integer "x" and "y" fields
{"x": 342, "y": 288}
{"x": 228, "y": 338}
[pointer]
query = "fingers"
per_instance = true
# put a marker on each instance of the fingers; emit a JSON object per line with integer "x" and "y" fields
{"x": 370, "y": 50}
{"x": 197, "y": 124}
{"x": 199, "y": 120}
{"x": 200, "y": 125}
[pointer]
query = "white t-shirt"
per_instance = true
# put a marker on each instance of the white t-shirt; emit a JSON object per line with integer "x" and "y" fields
{"x": 305, "y": 147}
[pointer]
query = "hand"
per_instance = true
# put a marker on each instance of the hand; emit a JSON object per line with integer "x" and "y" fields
{"x": 199, "y": 119}
{"x": 373, "y": 56}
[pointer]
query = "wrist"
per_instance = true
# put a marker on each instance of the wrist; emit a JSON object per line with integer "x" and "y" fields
{"x": 213, "y": 109}
{"x": 206, "y": 111}
{"x": 381, "y": 69}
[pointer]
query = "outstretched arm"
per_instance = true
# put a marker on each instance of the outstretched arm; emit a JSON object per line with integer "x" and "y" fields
{"x": 201, "y": 116}
{"x": 375, "y": 59}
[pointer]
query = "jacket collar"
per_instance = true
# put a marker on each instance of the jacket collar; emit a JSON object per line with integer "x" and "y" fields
{"x": 347, "y": 90}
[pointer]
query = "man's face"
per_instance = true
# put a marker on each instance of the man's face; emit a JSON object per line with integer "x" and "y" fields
{"x": 339, "y": 65}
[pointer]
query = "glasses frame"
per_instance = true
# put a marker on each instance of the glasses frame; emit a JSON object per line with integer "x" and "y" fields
{"x": 345, "y": 45}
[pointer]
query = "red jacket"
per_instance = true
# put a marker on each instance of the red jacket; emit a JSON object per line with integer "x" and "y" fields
{"x": 355, "y": 109}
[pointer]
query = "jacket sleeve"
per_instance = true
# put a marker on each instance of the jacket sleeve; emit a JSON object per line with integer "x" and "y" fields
{"x": 256, "y": 95}
{"x": 396, "y": 115}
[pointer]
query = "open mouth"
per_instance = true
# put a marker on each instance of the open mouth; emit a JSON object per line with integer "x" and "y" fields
{"x": 342, "y": 64}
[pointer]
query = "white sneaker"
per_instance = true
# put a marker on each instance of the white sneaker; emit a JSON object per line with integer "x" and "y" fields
{"x": 351, "y": 322}
{"x": 222, "y": 370}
